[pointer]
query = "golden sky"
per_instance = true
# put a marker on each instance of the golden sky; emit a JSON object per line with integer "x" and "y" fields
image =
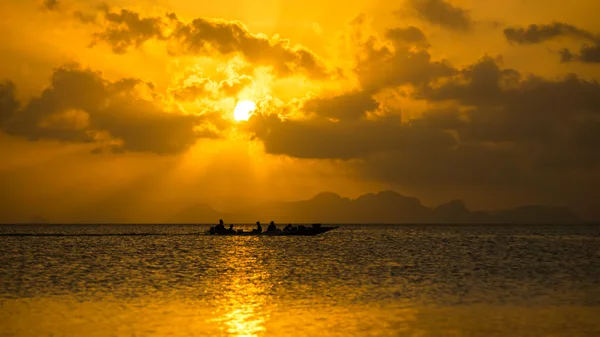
{"x": 123, "y": 110}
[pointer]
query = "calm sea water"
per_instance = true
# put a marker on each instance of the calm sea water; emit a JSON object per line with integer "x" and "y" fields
{"x": 354, "y": 281}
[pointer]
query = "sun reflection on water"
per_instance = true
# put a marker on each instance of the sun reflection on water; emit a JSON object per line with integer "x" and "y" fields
{"x": 242, "y": 306}
{"x": 242, "y": 320}
{"x": 354, "y": 283}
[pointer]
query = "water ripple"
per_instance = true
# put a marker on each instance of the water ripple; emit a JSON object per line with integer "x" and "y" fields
{"x": 356, "y": 280}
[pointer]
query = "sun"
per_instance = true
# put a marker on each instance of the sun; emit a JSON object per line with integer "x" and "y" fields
{"x": 243, "y": 110}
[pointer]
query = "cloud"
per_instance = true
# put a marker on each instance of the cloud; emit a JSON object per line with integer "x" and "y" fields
{"x": 587, "y": 54}
{"x": 504, "y": 106}
{"x": 442, "y": 13}
{"x": 50, "y": 5}
{"x": 126, "y": 115}
{"x": 479, "y": 84}
{"x": 356, "y": 139}
{"x": 352, "y": 106}
{"x": 547, "y": 117}
{"x": 8, "y": 103}
{"x": 590, "y": 54}
{"x": 384, "y": 68}
{"x": 126, "y": 29}
{"x": 84, "y": 17}
{"x": 409, "y": 34}
{"x": 388, "y": 150}
{"x": 200, "y": 88}
{"x": 205, "y": 36}
{"x": 535, "y": 34}
{"x": 197, "y": 86}
{"x": 233, "y": 85}
{"x": 498, "y": 128}
{"x": 403, "y": 115}
{"x": 401, "y": 58}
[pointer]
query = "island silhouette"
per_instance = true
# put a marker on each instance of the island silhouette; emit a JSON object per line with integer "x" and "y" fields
{"x": 386, "y": 207}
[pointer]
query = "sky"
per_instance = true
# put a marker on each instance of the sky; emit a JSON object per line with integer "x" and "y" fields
{"x": 123, "y": 110}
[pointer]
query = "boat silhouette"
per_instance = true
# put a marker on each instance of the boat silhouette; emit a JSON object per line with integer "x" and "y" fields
{"x": 300, "y": 230}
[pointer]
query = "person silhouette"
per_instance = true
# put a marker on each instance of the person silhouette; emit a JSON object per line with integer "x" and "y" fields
{"x": 258, "y": 228}
{"x": 220, "y": 228}
{"x": 271, "y": 227}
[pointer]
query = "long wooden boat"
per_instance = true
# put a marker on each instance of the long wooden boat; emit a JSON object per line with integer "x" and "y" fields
{"x": 316, "y": 229}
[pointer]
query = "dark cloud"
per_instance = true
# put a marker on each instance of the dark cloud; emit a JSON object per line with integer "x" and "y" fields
{"x": 50, "y": 5}
{"x": 203, "y": 36}
{"x": 478, "y": 84}
{"x": 321, "y": 138}
{"x": 409, "y": 34}
{"x": 386, "y": 68}
{"x": 587, "y": 54}
{"x": 534, "y": 34}
{"x": 8, "y": 103}
{"x": 126, "y": 29}
{"x": 350, "y": 106}
{"x": 566, "y": 55}
{"x": 499, "y": 128}
{"x": 419, "y": 152}
{"x": 84, "y": 18}
{"x": 590, "y": 54}
{"x": 443, "y": 13}
{"x": 553, "y": 123}
{"x": 381, "y": 66}
{"x": 504, "y": 106}
{"x": 81, "y": 106}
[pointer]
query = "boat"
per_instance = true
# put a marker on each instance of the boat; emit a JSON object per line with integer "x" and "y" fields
{"x": 301, "y": 230}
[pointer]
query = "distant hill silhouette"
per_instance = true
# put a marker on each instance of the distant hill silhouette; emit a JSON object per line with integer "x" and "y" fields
{"x": 383, "y": 207}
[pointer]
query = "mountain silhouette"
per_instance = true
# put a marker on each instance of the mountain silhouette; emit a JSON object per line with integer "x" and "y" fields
{"x": 383, "y": 207}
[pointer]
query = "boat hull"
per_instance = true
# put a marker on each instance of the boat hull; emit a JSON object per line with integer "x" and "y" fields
{"x": 309, "y": 231}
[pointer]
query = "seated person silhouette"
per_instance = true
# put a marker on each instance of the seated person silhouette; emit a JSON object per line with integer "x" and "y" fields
{"x": 258, "y": 228}
{"x": 271, "y": 227}
{"x": 220, "y": 228}
{"x": 231, "y": 230}
{"x": 287, "y": 228}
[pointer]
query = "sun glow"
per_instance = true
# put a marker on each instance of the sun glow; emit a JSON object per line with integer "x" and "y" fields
{"x": 243, "y": 110}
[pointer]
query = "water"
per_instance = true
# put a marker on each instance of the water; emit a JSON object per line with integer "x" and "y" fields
{"x": 354, "y": 281}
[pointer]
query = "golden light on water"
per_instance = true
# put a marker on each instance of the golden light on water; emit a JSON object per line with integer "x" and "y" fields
{"x": 253, "y": 286}
{"x": 243, "y": 320}
{"x": 242, "y": 308}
